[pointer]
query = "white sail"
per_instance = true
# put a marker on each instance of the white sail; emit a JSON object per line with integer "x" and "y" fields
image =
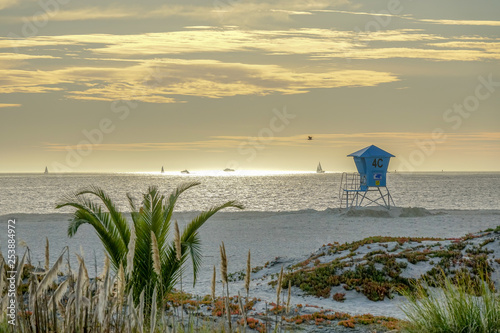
{"x": 319, "y": 169}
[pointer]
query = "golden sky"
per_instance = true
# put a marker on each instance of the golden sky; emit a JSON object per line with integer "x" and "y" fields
{"x": 128, "y": 86}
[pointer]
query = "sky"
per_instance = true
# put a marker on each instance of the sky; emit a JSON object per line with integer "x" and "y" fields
{"x": 101, "y": 86}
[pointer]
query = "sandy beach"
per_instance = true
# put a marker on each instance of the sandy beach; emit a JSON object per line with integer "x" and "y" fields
{"x": 269, "y": 234}
{"x": 280, "y": 238}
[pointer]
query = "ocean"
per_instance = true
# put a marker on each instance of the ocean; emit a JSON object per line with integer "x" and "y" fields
{"x": 271, "y": 192}
{"x": 286, "y": 214}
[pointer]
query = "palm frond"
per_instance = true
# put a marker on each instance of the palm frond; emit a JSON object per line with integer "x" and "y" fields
{"x": 116, "y": 217}
{"x": 91, "y": 213}
{"x": 190, "y": 234}
{"x": 169, "y": 206}
{"x": 151, "y": 219}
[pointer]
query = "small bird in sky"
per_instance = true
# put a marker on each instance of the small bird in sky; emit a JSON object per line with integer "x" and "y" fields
{"x": 309, "y": 137}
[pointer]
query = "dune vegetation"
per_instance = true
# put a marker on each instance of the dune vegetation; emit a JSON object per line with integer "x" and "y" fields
{"x": 142, "y": 249}
{"x": 461, "y": 304}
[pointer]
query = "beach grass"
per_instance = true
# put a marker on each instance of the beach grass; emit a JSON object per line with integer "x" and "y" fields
{"x": 58, "y": 299}
{"x": 461, "y": 304}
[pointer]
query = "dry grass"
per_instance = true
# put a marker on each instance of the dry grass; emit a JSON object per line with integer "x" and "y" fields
{"x": 105, "y": 304}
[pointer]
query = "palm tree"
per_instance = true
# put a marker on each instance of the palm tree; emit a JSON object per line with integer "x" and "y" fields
{"x": 153, "y": 216}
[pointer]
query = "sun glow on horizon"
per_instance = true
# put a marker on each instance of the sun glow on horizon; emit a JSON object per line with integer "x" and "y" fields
{"x": 222, "y": 173}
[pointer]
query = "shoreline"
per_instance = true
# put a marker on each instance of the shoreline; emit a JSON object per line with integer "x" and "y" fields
{"x": 433, "y": 211}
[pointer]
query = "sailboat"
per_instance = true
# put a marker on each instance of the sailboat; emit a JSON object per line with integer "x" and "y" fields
{"x": 46, "y": 171}
{"x": 162, "y": 171}
{"x": 319, "y": 169}
{"x": 185, "y": 172}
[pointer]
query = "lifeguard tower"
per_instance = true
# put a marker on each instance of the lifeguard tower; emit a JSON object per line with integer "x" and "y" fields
{"x": 369, "y": 185}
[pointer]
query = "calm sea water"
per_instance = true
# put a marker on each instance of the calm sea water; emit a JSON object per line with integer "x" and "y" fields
{"x": 286, "y": 215}
{"x": 38, "y": 194}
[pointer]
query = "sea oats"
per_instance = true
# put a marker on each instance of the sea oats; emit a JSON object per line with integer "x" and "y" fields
{"x": 50, "y": 276}
{"x": 243, "y": 312}
{"x": 177, "y": 240}
{"x": 141, "y": 312}
{"x": 120, "y": 282}
{"x": 153, "y": 312}
{"x": 79, "y": 292}
{"x": 105, "y": 268}
{"x": 47, "y": 257}
{"x": 19, "y": 270}
{"x": 214, "y": 276}
{"x": 247, "y": 277}
{"x": 2, "y": 277}
{"x": 81, "y": 260}
{"x": 131, "y": 251}
{"x": 278, "y": 287}
{"x": 228, "y": 313}
{"x": 5, "y": 301}
{"x": 132, "y": 317}
{"x": 156, "y": 255}
{"x": 223, "y": 263}
{"x": 103, "y": 293}
{"x": 33, "y": 286}
{"x": 289, "y": 296}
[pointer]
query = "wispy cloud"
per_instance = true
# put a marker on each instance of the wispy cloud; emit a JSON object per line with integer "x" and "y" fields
{"x": 146, "y": 66}
{"x": 350, "y": 12}
{"x": 410, "y": 17}
{"x": 223, "y": 143}
{"x": 311, "y": 42}
{"x": 20, "y": 56}
{"x": 249, "y": 13}
{"x": 492, "y": 48}
{"x": 462, "y": 22}
{"x": 8, "y": 3}
{"x": 160, "y": 81}
{"x": 5, "y": 105}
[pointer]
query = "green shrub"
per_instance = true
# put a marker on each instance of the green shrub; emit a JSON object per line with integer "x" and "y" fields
{"x": 453, "y": 307}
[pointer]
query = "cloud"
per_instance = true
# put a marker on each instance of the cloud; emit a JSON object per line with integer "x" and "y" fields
{"x": 150, "y": 146}
{"x": 8, "y": 3}
{"x": 407, "y": 140}
{"x": 410, "y": 17}
{"x": 5, "y": 105}
{"x": 145, "y": 67}
{"x": 215, "y": 79}
{"x": 241, "y": 13}
{"x": 313, "y": 43}
{"x": 92, "y": 13}
{"x": 462, "y": 22}
{"x": 307, "y": 41}
{"x": 161, "y": 81}
{"x": 418, "y": 53}
{"x": 20, "y": 56}
{"x": 358, "y": 13}
{"x": 493, "y": 48}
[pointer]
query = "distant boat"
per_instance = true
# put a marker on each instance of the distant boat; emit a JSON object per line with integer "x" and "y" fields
{"x": 162, "y": 171}
{"x": 46, "y": 171}
{"x": 185, "y": 171}
{"x": 319, "y": 169}
{"x": 228, "y": 170}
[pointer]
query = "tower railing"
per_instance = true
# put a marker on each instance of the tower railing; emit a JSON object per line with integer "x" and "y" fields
{"x": 351, "y": 194}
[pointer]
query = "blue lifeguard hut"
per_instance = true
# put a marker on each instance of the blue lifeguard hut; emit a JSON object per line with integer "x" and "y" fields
{"x": 369, "y": 185}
